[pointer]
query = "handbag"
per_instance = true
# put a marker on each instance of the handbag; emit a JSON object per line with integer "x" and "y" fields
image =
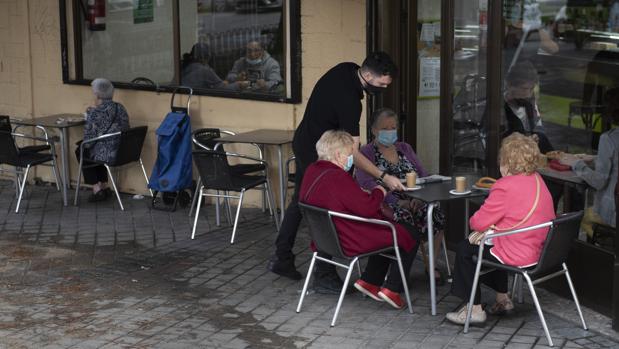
{"x": 476, "y": 236}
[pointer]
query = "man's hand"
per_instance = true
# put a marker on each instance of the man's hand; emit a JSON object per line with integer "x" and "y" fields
{"x": 261, "y": 83}
{"x": 393, "y": 183}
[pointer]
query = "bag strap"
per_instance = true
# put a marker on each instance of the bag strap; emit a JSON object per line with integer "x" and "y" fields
{"x": 526, "y": 218}
{"x": 309, "y": 191}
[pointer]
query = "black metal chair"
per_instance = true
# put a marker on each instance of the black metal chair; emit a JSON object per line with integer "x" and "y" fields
{"x": 216, "y": 174}
{"x": 289, "y": 176}
{"x": 326, "y": 239}
{"x": 22, "y": 161}
{"x": 204, "y": 139}
{"x": 129, "y": 151}
{"x": 563, "y": 230}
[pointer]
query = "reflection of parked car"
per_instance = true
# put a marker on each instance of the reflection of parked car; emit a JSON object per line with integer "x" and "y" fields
{"x": 205, "y": 6}
{"x": 257, "y": 5}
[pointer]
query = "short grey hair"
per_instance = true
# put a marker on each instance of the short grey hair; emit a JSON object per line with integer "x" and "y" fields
{"x": 102, "y": 88}
{"x": 382, "y": 113}
{"x": 332, "y": 141}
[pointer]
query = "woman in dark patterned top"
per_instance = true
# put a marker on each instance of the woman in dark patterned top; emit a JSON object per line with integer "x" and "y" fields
{"x": 106, "y": 116}
{"x": 398, "y": 159}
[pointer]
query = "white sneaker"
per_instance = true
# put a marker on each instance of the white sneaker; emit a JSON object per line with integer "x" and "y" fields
{"x": 459, "y": 317}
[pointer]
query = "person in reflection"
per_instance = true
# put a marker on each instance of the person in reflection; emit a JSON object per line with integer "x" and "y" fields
{"x": 519, "y": 199}
{"x": 521, "y": 110}
{"x": 196, "y": 71}
{"x": 397, "y": 159}
{"x": 257, "y": 71}
{"x": 106, "y": 116}
{"x": 604, "y": 177}
{"x": 327, "y": 184}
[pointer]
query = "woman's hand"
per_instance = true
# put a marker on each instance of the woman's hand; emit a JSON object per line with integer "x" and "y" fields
{"x": 568, "y": 159}
{"x": 393, "y": 183}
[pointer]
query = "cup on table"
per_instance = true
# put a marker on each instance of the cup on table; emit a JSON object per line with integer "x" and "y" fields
{"x": 411, "y": 179}
{"x": 460, "y": 184}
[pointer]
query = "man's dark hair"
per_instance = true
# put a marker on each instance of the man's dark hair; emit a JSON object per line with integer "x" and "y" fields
{"x": 522, "y": 73}
{"x": 379, "y": 63}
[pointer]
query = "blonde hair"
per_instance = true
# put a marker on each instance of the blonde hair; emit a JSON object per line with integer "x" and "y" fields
{"x": 332, "y": 141}
{"x": 519, "y": 154}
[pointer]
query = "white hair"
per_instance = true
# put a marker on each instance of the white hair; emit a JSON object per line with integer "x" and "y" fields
{"x": 102, "y": 88}
{"x": 332, "y": 141}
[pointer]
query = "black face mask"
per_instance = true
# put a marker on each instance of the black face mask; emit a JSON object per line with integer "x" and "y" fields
{"x": 371, "y": 89}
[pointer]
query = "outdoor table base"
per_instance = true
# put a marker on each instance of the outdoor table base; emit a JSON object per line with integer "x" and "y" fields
{"x": 432, "y": 194}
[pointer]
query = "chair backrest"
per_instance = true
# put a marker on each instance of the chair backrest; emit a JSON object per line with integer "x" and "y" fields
{"x": 206, "y": 136}
{"x": 130, "y": 146}
{"x": 322, "y": 230}
{"x": 10, "y": 153}
{"x": 214, "y": 169}
{"x": 563, "y": 231}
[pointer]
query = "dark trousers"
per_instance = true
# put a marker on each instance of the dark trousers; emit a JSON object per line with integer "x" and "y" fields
{"x": 92, "y": 175}
{"x": 292, "y": 218}
{"x": 464, "y": 273}
{"x": 378, "y": 267}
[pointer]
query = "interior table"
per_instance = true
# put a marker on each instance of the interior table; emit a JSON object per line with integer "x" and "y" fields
{"x": 61, "y": 122}
{"x": 267, "y": 137}
{"x": 569, "y": 179}
{"x": 432, "y": 194}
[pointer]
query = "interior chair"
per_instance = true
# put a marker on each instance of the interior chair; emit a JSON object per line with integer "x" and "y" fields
{"x": 562, "y": 231}
{"x": 204, "y": 139}
{"x": 326, "y": 240}
{"x": 22, "y": 161}
{"x": 217, "y": 174}
{"x": 129, "y": 151}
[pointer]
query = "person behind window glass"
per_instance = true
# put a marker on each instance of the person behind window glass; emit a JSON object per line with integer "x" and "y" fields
{"x": 106, "y": 116}
{"x": 196, "y": 71}
{"x": 521, "y": 110}
{"x": 604, "y": 177}
{"x": 257, "y": 71}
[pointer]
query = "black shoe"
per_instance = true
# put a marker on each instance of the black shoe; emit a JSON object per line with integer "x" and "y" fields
{"x": 329, "y": 283}
{"x": 98, "y": 196}
{"x": 108, "y": 192}
{"x": 284, "y": 268}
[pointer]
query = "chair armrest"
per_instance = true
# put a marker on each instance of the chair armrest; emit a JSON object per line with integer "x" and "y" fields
{"x": 232, "y": 133}
{"x": 517, "y": 231}
{"x": 43, "y": 129}
{"x": 368, "y": 220}
{"x": 101, "y": 137}
{"x": 20, "y": 135}
{"x": 245, "y": 157}
{"x": 195, "y": 141}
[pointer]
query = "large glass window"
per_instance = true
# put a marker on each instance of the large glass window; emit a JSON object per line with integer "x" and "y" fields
{"x": 231, "y": 48}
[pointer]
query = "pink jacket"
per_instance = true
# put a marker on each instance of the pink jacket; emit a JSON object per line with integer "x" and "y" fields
{"x": 510, "y": 200}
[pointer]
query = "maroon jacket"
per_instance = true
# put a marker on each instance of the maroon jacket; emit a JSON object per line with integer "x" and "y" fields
{"x": 337, "y": 191}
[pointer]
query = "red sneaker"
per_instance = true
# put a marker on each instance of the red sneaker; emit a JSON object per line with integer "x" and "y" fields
{"x": 368, "y": 289}
{"x": 391, "y": 297}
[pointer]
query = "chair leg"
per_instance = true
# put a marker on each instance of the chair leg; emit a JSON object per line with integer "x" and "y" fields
{"x": 17, "y": 182}
{"x": 146, "y": 177}
{"x": 310, "y": 272}
{"x": 343, "y": 292}
{"x": 404, "y": 282}
{"x": 56, "y": 174}
{"x": 217, "y": 210}
{"x": 469, "y": 306}
{"x": 539, "y": 308}
{"x": 228, "y": 208}
{"x": 109, "y": 172}
{"x": 236, "y": 218}
{"x": 569, "y": 282}
{"x": 271, "y": 201}
{"x": 79, "y": 179}
{"x": 195, "y": 220}
{"x": 446, "y": 257}
{"x": 21, "y": 188}
{"x": 358, "y": 268}
{"x": 195, "y": 195}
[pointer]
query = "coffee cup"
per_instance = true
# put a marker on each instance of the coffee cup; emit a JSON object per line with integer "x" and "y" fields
{"x": 460, "y": 184}
{"x": 411, "y": 179}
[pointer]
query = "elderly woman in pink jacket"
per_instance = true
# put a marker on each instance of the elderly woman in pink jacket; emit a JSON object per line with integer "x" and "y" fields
{"x": 518, "y": 200}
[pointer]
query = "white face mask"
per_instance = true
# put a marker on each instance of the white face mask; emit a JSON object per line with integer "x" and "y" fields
{"x": 253, "y": 61}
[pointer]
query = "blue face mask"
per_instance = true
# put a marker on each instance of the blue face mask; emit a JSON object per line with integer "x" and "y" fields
{"x": 349, "y": 162}
{"x": 387, "y": 137}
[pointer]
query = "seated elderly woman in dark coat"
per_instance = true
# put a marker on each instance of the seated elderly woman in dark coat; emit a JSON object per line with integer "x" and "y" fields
{"x": 327, "y": 184}
{"x": 106, "y": 116}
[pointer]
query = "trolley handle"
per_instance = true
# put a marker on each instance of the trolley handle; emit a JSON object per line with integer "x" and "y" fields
{"x": 186, "y": 88}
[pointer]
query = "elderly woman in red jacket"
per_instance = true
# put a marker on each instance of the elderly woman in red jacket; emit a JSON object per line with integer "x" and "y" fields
{"x": 328, "y": 184}
{"x": 518, "y": 200}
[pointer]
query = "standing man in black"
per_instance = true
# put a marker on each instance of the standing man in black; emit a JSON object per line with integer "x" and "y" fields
{"x": 335, "y": 104}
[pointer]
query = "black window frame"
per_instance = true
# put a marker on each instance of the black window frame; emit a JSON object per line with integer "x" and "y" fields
{"x": 293, "y": 41}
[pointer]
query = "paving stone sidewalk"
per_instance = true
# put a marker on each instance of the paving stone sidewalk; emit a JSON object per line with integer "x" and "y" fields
{"x": 96, "y": 277}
